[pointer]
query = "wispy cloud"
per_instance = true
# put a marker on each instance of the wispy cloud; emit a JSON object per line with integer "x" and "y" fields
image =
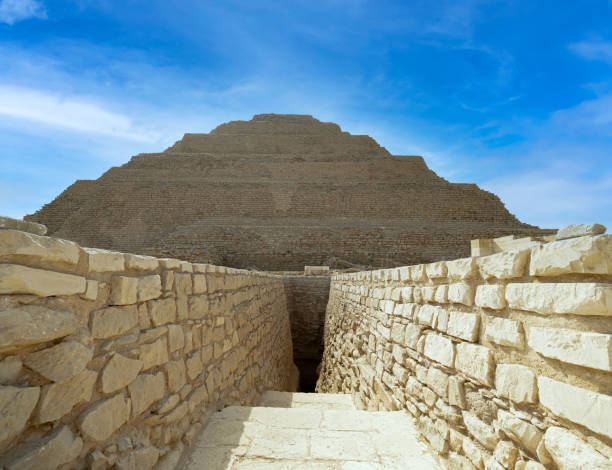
{"x": 70, "y": 112}
{"x": 12, "y": 11}
{"x": 593, "y": 50}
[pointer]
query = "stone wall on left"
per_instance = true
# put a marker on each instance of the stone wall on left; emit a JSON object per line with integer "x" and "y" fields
{"x": 110, "y": 359}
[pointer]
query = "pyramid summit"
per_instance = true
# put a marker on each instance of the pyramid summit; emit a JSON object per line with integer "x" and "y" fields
{"x": 279, "y": 192}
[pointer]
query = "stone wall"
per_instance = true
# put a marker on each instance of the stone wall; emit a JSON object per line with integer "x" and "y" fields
{"x": 504, "y": 360}
{"x": 115, "y": 359}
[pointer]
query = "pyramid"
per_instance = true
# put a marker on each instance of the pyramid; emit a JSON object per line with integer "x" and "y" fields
{"x": 279, "y": 192}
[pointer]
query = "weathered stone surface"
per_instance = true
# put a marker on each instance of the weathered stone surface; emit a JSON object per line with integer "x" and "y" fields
{"x": 154, "y": 354}
{"x": 475, "y": 361}
{"x": 31, "y": 324}
{"x": 124, "y": 290}
{"x": 16, "y": 406}
{"x": 162, "y": 311}
{"x": 586, "y": 349}
{"x": 119, "y": 372}
{"x": 463, "y": 325}
{"x": 590, "y": 409}
{"x": 176, "y": 338}
{"x": 58, "y": 399}
{"x": 462, "y": 268}
{"x": 436, "y": 270}
{"x": 524, "y": 433}
{"x": 571, "y": 453}
{"x": 516, "y": 382}
{"x": 145, "y": 390}
{"x": 438, "y": 381}
{"x": 440, "y": 349}
{"x": 149, "y": 287}
{"x": 483, "y": 433}
{"x": 491, "y": 296}
{"x": 588, "y": 255}
{"x": 112, "y": 321}
{"x": 91, "y": 290}
{"x": 143, "y": 458}
{"x": 176, "y": 372}
{"x": 10, "y": 368}
{"x": 456, "y": 392}
{"x": 61, "y": 446}
{"x": 505, "y": 332}
{"x": 15, "y": 279}
{"x": 34, "y": 247}
{"x": 104, "y": 418}
{"x": 506, "y": 454}
{"x": 194, "y": 365}
{"x": 504, "y": 265}
{"x": 100, "y": 261}
{"x": 60, "y": 362}
{"x": 7, "y": 223}
{"x": 574, "y": 298}
{"x": 579, "y": 230}
{"x": 141, "y": 263}
{"x": 199, "y": 284}
{"x": 461, "y": 293}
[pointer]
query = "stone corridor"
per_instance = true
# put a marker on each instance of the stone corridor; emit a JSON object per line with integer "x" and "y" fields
{"x": 308, "y": 431}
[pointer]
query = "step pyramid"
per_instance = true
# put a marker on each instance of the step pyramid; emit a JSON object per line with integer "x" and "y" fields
{"x": 279, "y": 192}
{"x": 308, "y": 431}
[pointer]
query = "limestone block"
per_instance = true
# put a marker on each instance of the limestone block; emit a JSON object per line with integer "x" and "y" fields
{"x": 475, "y": 361}
{"x": 463, "y": 268}
{"x": 119, "y": 372}
{"x": 440, "y": 349}
{"x": 104, "y": 418}
{"x": 504, "y": 265}
{"x": 154, "y": 354}
{"x": 27, "y": 246}
{"x": 436, "y": 270}
{"x": 199, "y": 284}
{"x": 474, "y": 453}
{"x": 124, "y": 290}
{"x": 162, "y": 311}
{"x": 428, "y": 293}
{"x": 59, "y": 399}
{"x": 586, "y": 349}
{"x": 522, "y": 432}
{"x": 407, "y": 294}
{"x": 112, "y": 321}
{"x": 7, "y": 223}
{"x": 427, "y": 315}
{"x": 141, "y": 263}
{"x": 461, "y": 293}
{"x": 31, "y": 324}
{"x": 60, "y": 362}
{"x": 463, "y": 325}
{"x": 437, "y": 381}
{"x": 199, "y": 307}
{"x": 16, "y": 406}
{"x": 579, "y": 230}
{"x": 456, "y": 392}
{"x": 100, "y": 261}
{"x": 441, "y": 294}
{"x": 176, "y": 338}
{"x": 491, "y": 296}
{"x": 176, "y": 372}
{"x": 516, "y": 382}
{"x": 398, "y": 333}
{"x": 10, "y": 368}
{"x": 167, "y": 278}
{"x": 483, "y": 433}
{"x": 417, "y": 273}
{"x": 169, "y": 263}
{"x": 145, "y": 390}
{"x": 505, "y": 332}
{"x": 590, "y": 409}
{"x": 149, "y": 287}
{"x": 574, "y": 298}
{"x": 442, "y": 320}
{"x": 59, "y": 447}
{"x": 506, "y": 453}
{"x": 570, "y": 452}
{"x": 15, "y": 279}
{"x": 194, "y": 365}
{"x": 588, "y": 255}
{"x": 91, "y": 290}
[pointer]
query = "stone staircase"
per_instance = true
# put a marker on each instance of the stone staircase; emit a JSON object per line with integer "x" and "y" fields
{"x": 308, "y": 431}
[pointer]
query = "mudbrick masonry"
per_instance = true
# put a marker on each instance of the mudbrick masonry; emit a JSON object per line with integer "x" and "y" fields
{"x": 114, "y": 360}
{"x": 505, "y": 360}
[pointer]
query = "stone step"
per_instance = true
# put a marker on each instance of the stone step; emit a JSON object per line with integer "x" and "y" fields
{"x": 330, "y": 401}
{"x": 265, "y": 437}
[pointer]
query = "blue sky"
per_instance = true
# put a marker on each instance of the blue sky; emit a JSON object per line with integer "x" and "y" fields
{"x": 515, "y": 96}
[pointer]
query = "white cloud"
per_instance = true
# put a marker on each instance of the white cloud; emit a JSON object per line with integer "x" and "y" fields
{"x": 12, "y": 11}
{"x": 69, "y": 112}
{"x": 593, "y": 50}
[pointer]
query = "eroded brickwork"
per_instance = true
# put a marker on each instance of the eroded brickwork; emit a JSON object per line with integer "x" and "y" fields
{"x": 504, "y": 360}
{"x": 110, "y": 359}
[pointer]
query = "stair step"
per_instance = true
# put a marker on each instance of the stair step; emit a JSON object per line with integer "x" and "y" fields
{"x": 333, "y": 401}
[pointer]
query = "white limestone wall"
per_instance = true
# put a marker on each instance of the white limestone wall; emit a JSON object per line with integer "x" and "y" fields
{"x": 505, "y": 360}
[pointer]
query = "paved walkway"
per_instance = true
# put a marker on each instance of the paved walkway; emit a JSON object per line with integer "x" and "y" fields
{"x": 308, "y": 431}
